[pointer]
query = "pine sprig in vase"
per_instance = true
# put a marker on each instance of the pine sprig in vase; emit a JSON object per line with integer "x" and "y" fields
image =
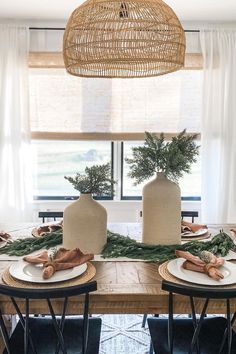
{"x": 173, "y": 158}
{"x": 96, "y": 180}
{"x": 168, "y": 160}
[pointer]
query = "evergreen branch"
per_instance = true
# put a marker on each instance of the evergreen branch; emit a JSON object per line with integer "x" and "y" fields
{"x": 123, "y": 246}
{"x": 156, "y": 155}
{"x": 96, "y": 180}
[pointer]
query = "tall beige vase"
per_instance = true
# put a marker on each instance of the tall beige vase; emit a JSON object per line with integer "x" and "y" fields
{"x": 161, "y": 212}
{"x": 85, "y": 225}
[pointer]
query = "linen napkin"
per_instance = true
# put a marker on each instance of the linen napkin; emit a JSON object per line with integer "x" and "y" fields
{"x": 233, "y": 231}
{"x": 4, "y": 236}
{"x": 44, "y": 229}
{"x": 206, "y": 263}
{"x": 188, "y": 226}
{"x": 61, "y": 260}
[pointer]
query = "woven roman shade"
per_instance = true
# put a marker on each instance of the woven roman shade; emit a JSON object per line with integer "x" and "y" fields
{"x": 123, "y": 39}
{"x": 167, "y": 103}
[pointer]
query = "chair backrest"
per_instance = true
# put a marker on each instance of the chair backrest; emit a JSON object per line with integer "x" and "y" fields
{"x": 189, "y": 214}
{"x": 50, "y": 214}
{"x": 47, "y": 294}
{"x": 224, "y": 294}
{"x": 59, "y": 214}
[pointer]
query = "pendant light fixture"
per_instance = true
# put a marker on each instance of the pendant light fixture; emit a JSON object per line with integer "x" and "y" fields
{"x": 123, "y": 39}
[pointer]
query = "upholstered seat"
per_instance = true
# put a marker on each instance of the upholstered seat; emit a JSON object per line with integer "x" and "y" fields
{"x": 50, "y": 333}
{"x": 203, "y": 335}
{"x": 210, "y": 336}
{"x": 43, "y": 336}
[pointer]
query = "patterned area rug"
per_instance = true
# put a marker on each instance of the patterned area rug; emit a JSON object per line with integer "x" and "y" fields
{"x": 123, "y": 334}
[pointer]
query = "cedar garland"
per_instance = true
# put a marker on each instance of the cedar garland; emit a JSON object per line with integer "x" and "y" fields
{"x": 22, "y": 247}
{"x": 123, "y": 246}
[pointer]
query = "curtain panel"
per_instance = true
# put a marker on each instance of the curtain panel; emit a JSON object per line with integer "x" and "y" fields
{"x": 15, "y": 171}
{"x": 219, "y": 125}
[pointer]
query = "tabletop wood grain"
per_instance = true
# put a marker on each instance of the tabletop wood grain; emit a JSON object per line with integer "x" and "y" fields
{"x": 123, "y": 287}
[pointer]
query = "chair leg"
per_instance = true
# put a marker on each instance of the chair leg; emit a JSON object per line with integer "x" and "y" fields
{"x": 151, "y": 348}
{"x": 170, "y": 324}
{"x": 229, "y": 328}
{"x": 144, "y": 320}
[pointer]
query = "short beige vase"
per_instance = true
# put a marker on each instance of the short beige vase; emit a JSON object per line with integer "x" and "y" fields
{"x": 161, "y": 212}
{"x": 85, "y": 225}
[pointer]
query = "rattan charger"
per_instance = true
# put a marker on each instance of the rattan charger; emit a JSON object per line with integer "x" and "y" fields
{"x": 90, "y": 272}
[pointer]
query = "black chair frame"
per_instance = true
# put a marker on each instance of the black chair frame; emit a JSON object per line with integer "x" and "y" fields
{"x": 59, "y": 214}
{"x": 47, "y": 294}
{"x": 50, "y": 214}
{"x": 207, "y": 294}
{"x": 189, "y": 214}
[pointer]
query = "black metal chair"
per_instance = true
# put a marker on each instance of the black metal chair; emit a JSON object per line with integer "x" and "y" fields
{"x": 206, "y": 335}
{"x": 50, "y": 214}
{"x": 51, "y": 333}
{"x": 59, "y": 214}
{"x": 189, "y": 214}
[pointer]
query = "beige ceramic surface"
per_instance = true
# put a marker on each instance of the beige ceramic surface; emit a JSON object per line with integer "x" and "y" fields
{"x": 161, "y": 212}
{"x": 175, "y": 267}
{"x": 33, "y": 273}
{"x": 85, "y": 225}
{"x": 90, "y": 272}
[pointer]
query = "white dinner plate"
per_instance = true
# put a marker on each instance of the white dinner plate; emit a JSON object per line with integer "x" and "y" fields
{"x": 228, "y": 270}
{"x": 33, "y": 272}
{"x": 198, "y": 233}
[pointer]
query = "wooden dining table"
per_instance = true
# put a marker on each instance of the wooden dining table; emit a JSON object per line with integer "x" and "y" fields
{"x": 124, "y": 287}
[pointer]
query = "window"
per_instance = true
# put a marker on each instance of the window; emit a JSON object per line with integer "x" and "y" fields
{"x": 65, "y": 109}
{"x": 55, "y": 159}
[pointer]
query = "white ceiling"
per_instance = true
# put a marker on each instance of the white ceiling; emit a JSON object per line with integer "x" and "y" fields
{"x": 57, "y": 10}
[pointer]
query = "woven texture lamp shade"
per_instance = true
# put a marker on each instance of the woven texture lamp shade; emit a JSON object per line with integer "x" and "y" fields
{"x": 125, "y": 39}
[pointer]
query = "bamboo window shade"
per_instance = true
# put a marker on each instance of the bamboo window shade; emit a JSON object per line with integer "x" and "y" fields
{"x": 112, "y": 109}
{"x": 123, "y": 39}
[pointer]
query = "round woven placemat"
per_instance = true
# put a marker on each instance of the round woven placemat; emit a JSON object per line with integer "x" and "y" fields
{"x": 165, "y": 274}
{"x": 85, "y": 277}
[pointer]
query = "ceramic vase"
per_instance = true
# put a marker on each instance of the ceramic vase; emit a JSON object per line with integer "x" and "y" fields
{"x": 85, "y": 225}
{"x": 161, "y": 212}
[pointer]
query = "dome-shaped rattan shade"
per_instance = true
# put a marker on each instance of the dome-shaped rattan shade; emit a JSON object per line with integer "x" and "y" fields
{"x": 123, "y": 38}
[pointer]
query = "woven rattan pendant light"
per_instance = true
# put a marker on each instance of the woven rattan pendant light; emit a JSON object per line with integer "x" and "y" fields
{"x": 123, "y": 38}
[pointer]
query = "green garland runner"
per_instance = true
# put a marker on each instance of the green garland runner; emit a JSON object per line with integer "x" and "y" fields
{"x": 22, "y": 247}
{"x": 123, "y": 246}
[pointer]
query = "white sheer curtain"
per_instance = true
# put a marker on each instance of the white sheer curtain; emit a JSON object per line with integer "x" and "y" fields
{"x": 15, "y": 178}
{"x": 219, "y": 125}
